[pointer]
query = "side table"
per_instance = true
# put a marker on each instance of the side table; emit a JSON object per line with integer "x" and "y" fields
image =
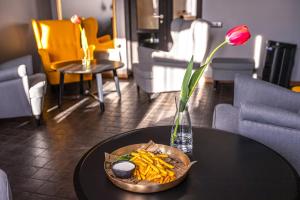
{"x": 97, "y": 68}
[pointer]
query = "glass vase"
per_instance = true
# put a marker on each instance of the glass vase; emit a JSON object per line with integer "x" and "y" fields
{"x": 86, "y": 61}
{"x": 181, "y": 132}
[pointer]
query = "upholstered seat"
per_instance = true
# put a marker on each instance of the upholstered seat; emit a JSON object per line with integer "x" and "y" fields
{"x": 58, "y": 42}
{"x": 225, "y": 69}
{"x": 102, "y": 43}
{"x": 163, "y": 71}
{"x": 266, "y": 113}
{"x": 22, "y": 91}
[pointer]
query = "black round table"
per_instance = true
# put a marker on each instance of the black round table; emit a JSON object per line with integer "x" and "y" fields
{"x": 229, "y": 167}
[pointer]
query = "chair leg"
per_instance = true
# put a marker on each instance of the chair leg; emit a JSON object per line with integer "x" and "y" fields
{"x": 81, "y": 87}
{"x": 117, "y": 83}
{"x": 100, "y": 91}
{"x": 38, "y": 119}
{"x": 149, "y": 97}
{"x": 138, "y": 89}
{"x": 216, "y": 85}
{"x": 152, "y": 96}
{"x": 90, "y": 84}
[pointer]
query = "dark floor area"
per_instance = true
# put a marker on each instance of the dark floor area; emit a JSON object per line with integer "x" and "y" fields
{"x": 40, "y": 161}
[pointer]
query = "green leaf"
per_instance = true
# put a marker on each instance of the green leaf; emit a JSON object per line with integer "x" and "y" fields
{"x": 182, "y": 104}
{"x": 185, "y": 83}
{"x": 125, "y": 157}
{"x": 195, "y": 79}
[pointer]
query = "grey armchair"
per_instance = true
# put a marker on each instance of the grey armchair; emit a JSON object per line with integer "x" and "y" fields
{"x": 21, "y": 91}
{"x": 5, "y": 191}
{"x": 266, "y": 113}
{"x": 161, "y": 71}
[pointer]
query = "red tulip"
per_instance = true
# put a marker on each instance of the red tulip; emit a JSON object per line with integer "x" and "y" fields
{"x": 238, "y": 35}
{"x": 76, "y": 19}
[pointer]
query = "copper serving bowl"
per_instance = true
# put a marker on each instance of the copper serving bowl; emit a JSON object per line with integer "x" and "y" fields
{"x": 151, "y": 187}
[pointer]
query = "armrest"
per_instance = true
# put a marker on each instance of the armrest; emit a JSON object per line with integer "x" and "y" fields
{"x": 104, "y": 46}
{"x": 145, "y": 54}
{"x": 5, "y": 186}
{"x": 14, "y": 72}
{"x": 247, "y": 89}
{"x": 45, "y": 59}
{"x": 269, "y": 115}
{"x": 24, "y": 60}
{"x": 104, "y": 38}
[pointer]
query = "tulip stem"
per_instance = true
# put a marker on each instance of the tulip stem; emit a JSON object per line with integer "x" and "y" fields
{"x": 174, "y": 134}
{"x": 205, "y": 65}
{"x": 213, "y": 52}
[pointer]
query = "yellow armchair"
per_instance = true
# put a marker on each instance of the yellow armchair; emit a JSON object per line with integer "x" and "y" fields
{"x": 102, "y": 43}
{"x": 58, "y": 42}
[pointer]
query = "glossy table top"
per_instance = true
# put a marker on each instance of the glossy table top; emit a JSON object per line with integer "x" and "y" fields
{"x": 229, "y": 167}
{"x": 97, "y": 66}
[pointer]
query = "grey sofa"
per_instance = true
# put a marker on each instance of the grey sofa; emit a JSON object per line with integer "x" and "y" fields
{"x": 266, "y": 113}
{"x": 21, "y": 91}
{"x": 162, "y": 71}
{"x": 5, "y": 192}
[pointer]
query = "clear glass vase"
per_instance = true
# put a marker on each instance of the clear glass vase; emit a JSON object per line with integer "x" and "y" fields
{"x": 181, "y": 132}
{"x": 86, "y": 61}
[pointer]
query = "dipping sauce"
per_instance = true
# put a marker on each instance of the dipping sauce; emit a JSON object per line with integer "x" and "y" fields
{"x": 123, "y": 169}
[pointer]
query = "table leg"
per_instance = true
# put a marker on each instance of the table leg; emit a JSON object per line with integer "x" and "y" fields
{"x": 117, "y": 82}
{"x": 81, "y": 84}
{"x": 90, "y": 85}
{"x": 100, "y": 91}
{"x": 61, "y": 87}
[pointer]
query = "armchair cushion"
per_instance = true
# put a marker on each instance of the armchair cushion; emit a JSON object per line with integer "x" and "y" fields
{"x": 267, "y": 114}
{"x": 61, "y": 38}
{"x": 14, "y": 72}
{"x": 270, "y": 115}
{"x": 169, "y": 59}
{"x": 104, "y": 38}
{"x": 225, "y": 117}
{"x": 24, "y": 60}
{"x": 58, "y": 41}
{"x": 162, "y": 71}
{"x": 247, "y": 89}
{"x": 102, "y": 43}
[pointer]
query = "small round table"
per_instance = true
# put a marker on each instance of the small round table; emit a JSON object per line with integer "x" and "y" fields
{"x": 229, "y": 167}
{"x": 96, "y": 67}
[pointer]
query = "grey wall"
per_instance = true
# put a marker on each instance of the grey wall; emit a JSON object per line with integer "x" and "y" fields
{"x": 100, "y": 9}
{"x": 272, "y": 19}
{"x": 16, "y": 36}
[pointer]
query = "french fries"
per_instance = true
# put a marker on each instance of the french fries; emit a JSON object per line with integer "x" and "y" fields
{"x": 152, "y": 167}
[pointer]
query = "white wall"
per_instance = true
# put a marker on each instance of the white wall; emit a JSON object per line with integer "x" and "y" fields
{"x": 100, "y": 9}
{"x": 15, "y": 28}
{"x": 272, "y": 19}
